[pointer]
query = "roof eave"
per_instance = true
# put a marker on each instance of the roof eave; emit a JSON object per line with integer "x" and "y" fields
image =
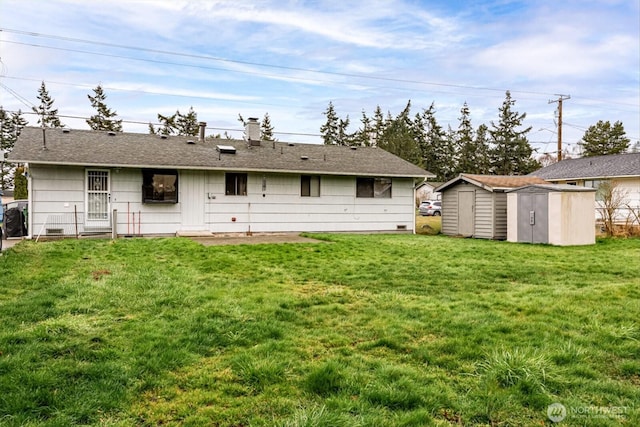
{"x": 211, "y": 168}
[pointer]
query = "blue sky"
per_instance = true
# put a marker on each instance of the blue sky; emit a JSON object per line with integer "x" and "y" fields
{"x": 290, "y": 58}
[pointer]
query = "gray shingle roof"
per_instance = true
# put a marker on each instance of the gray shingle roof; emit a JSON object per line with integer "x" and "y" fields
{"x": 109, "y": 149}
{"x": 492, "y": 182}
{"x": 614, "y": 165}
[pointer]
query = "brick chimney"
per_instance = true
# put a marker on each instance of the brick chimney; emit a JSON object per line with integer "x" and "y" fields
{"x": 252, "y": 131}
{"x": 202, "y": 126}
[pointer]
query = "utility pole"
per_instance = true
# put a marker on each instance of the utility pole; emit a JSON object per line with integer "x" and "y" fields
{"x": 559, "y": 101}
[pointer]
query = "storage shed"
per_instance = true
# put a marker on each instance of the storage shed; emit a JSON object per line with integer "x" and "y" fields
{"x": 558, "y": 214}
{"x": 476, "y": 205}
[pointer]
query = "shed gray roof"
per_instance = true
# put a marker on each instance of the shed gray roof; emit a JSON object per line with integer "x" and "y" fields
{"x": 611, "y": 166}
{"x": 117, "y": 149}
{"x": 555, "y": 187}
{"x": 492, "y": 182}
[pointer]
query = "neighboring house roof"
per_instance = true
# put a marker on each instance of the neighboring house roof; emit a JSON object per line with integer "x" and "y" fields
{"x": 432, "y": 184}
{"x": 492, "y": 182}
{"x": 136, "y": 150}
{"x": 611, "y": 166}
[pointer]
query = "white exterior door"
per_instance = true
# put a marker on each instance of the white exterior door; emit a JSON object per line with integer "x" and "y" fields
{"x": 98, "y": 199}
{"x": 192, "y": 200}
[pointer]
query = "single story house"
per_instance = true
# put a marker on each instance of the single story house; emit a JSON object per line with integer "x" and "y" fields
{"x": 426, "y": 191}
{"x": 83, "y": 181}
{"x": 624, "y": 169}
{"x": 476, "y": 205}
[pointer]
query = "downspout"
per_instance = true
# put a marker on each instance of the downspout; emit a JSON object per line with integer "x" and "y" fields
{"x": 29, "y": 202}
{"x": 413, "y": 203}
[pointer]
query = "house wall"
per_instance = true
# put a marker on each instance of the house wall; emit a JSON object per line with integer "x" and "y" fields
{"x": 56, "y": 191}
{"x": 627, "y": 186}
{"x": 56, "y": 198}
{"x": 426, "y": 192}
{"x": 281, "y": 208}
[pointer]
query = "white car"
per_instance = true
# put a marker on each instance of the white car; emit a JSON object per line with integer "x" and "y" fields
{"x": 430, "y": 208}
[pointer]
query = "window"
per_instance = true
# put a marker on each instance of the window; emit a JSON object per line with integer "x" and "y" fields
{"x": 373, "y": 187}
{"x": 235, "y": 184}
{"x": 310, "y": 186}
{"x": 597, "y": 184}
{"x": 159, "y": 186}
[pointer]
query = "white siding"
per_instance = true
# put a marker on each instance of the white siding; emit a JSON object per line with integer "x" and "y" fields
{"x": 56, "y": 196}
{"x": 280, "y": 207}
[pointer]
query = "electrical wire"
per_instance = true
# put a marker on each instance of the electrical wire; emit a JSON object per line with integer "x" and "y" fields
{"x": 233, "y": 61}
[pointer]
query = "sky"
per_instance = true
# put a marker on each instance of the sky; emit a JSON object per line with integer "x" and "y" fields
{"x": 290, "y": 58}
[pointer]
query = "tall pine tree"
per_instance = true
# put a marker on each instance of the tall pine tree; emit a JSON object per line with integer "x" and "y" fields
{"x": 10, "y": 127}
{"x": 510, "y": 152}
{"x": 266, "y": 129}
{"x": 330, "y": 130}
{"x": 398, "y": 137}
{"x": 602, "y": 138}
{"x": 471, "y": 145}
{"x": 47, "y": 115}
{"x": 104, "y": 119}
{"x": 177, "y": 124}
{"x": 437, "y": 149}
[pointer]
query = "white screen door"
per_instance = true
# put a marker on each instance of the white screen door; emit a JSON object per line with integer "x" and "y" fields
{"x": 98, "y": 199}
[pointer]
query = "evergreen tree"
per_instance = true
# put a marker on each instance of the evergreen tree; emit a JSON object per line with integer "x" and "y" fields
{"x": 437, "y": 148}
{"x": 483, "y": 165}
{"x": 10, "y": 127}
{"x": 266, "y": 129}
{"x": 177, "y": 124}
{"x": 330, "y": 130}
{"x": 510, "y": 153}
{"x": 20, "y": 187}
{"x": 398, "y": 137}
{"x": 602, "y": 138}
{"x": 363, "y": 136}
{"x": 344, "y": 137}
{"x": 47, "y": 115}
{"x": 379, "y": 125}
{"x": 105, "y": 117}
{"x": 466, "y": 143}
{"x": 187, "y": 124}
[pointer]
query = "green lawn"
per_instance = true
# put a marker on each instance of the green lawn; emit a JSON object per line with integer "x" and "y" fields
{"x": 360, "y": 330}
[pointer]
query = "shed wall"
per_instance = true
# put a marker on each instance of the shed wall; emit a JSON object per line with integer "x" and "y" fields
{"x": 490, "y": 212}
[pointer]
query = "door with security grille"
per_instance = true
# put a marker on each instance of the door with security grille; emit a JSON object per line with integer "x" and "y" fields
{"x": 98, "y": 199}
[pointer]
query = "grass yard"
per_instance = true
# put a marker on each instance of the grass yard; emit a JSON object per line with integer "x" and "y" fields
{"x": 361, "y": 330}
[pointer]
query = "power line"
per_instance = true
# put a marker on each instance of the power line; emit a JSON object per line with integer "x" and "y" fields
{"x": 233, "y": 61}
{"x": 139, "y": 122}
{"x": 17, "y": 96}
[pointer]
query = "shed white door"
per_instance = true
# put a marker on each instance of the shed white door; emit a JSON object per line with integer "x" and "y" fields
{"x": 98, "y": 199}
{"x": 192, "y": 199}
{"x": 465, "y": 213}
